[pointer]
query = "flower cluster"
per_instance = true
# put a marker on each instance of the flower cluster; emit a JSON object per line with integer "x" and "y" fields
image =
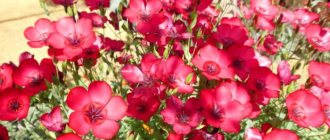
{"x": 174, "y": 69}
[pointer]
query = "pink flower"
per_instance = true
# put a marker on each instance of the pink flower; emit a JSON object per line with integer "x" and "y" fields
{"x": 33, "y": 76}
{"x": 274, "y": 134}
{"x": 318, "y": 37}
{"x": 141, "y": 11}
{"x": 69, "y": 136}
{"x": 284, "y": 73}
{"x": 39, "y": 34}
{"x": 264, "y": 8}
{"x": 53, "y": 120}
{"x": 97, "y": 20}
{"x": 305, "y": 109}
{"x": 264, "y": 82}
{"x": 301, "y": 18}
{"x": 270, "y": 45}
{"x": 225, "y": 106}
{"x": 176, "y": 73}
{"x": 72, "y": 37}
{"x": 93, "y": 110}
{"x": 317, "y": 73}
{"x": 215, "y": 66}
{"x": 182, "y": 117}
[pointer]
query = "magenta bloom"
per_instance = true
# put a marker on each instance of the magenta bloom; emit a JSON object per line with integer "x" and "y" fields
{"x": 231, "y": 34}
{"x": 284, "y": 73}
{"x": 263, "y": 81}
{"x": 318, "y": 37}
{"x": 215, "y": 66}
{"x": 182, "y": 117}
{"x": 94, "y": 110}
{"x": 33, "y": 76}
{"x": 305, "y": 109}
{"x": 53, "y": 120}
{"x": 225, "y": 106}
{"x": 72, "y": 37}
{"x": 141, "y": 10}
{"x": 14, "y": 105}
{"x": 39, "y": 34}
{"x": 176, "y": 73}
{"x": 317, "y": 73}
{"x": 96, "y": 4}
{"x": 270, "y": 45}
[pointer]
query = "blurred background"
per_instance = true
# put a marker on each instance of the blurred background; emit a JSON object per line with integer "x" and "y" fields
{"x": 15, "y": 17}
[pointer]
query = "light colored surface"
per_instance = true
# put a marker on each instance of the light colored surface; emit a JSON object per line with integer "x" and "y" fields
{"x": 15, "y": 17}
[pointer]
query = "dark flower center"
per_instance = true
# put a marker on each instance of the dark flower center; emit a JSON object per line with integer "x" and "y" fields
{"x": 260, "y": 85}
{"x": 94, "y": 113}
{"x": 227, "y": 42}
{"x": 36, "y": 80}
{"x": 43, "y": 37}
{"x": 182, "y": 117}
{"x": 238, "y": 64}
{"x": 298, "y": 112}
{"x": 145, "y": 17}
{"x": 211, "y": 68}
{"x": 15, "y": 105}
{"x": 142, "y": 108}
{"x": 171, "y": 78}
{"x": 74, "y": 42}
{"x": 216, "y": 113}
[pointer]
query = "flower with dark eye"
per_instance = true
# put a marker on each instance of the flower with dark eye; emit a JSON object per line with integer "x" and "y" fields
{"x": 14, "y": 105}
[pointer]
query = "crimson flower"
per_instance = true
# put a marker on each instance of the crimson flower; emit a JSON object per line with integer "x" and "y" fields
{"x": 242, "y": 60}
{"x": 33, "y": 76}
{"x": 96, "y": 4}
{"x": 182, "y": 117}
{"x": 14, "y": 105}
{"x": 225, "y": 106}
{"x": 263, "y": 81}
{"x": 143, "y": 103}
{"x": 25, "y": 55}
{"x": 93, "y": 110}
{"x": 72, "y": 37}
{"x": 53, "y": 120}
{"x": 6, "y": 81}
{"x": 318, "y": 37}
{"x": 113, "y": 45}
{"x": 97, "y": 20}
{"x": 176, "y": 73}
{"x": 142, "y": 10}
{"x": 284, "y": 73}
{"x": 317, "y": 73}
{"x": 3, "y": 133}
{"x": 202, "y": 135}
{"x": 175, "y": 136}
{"x": 69, "y": 136}
{"x": 39, "y": 34}
{"x": 215, "y": 66}
{"x": 305, "y": 109}
{"x": 270, "y": 45}
{"x": 231, "y": 34}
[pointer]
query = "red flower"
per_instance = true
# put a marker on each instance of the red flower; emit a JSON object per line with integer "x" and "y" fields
{"x": 182, "y": 117}
{"x": 176, "y": 73}
{"x": 6, "y": 81}
{"x": 97, "y": 20}
{"x": 270, "y": 45}
{"x": 280, "y": 134}
{"x": 14, "y": 105}
{"x": 231, "y": 34}
{"x": 318, "y": 37}
{"x": 39, "y": 34}
{"x": 143, "y": 103}
{"x": 53, "y": 120}
{"x": 202, "y": 135}
{"x": 264, "y": 82}
{"x": 284, "y": 73}
{"x": 242, "y": 60}
{"x": 274, "y": 134}
{"x": 146, "y": 75}
{"x": 72, "y": 37}
{"x": 225, "y": 106}
{"x": 215, "y": 66}
{"x": 174, "y": 136}
{"x": 3, "y": 133}
{"x": 64, "y": 2}
{"x": 32, "y": 76}
{"x": 317, "y": 73}
{"x": 25, "y": 55}
{"x": 113, "y": 45}
{"x": 305, "y": 109}
{"x": 141, "y": 10}
{"x": 69, "y": 136}
{"x": 96, "y": 4}
{"x": 93, "y": 110}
